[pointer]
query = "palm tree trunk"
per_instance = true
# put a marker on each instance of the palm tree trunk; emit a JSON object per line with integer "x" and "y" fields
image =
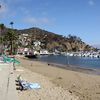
{"x": 11, "y": 49}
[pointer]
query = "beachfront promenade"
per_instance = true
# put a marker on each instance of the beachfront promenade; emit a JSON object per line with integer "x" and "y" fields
{"x": 7, "y": 82}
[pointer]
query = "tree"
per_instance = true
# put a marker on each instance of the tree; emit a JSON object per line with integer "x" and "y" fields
{"x": 1, "y": 28}
{"x": 1, "y": 37}
{"x": 73, "y": 38}
{"x": 11, "y": 37}
{"x": 11, "y": 23}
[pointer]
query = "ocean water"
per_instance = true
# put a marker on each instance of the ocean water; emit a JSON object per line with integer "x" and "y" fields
{"x": 83, "y": 62}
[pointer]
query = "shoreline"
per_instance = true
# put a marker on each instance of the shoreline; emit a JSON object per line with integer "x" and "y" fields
{"x": 86, "y": 70}
{"x": 85, "y": 86}
{"x": 77, "y": 69}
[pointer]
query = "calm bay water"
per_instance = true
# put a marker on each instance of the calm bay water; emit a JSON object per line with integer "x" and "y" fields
{"x": 84, "y": 62}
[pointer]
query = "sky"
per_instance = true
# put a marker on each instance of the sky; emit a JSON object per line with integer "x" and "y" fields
{"x": 76, "y": 17}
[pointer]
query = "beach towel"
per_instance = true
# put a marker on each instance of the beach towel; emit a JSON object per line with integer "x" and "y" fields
{"x": 34, "y": 86}
{"x": 27, "y": 85}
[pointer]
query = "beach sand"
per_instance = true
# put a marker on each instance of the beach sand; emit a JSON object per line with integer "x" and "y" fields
{"x": 57, "y": 83}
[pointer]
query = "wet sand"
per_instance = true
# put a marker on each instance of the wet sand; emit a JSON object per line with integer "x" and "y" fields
{"x": 85, "y": 86}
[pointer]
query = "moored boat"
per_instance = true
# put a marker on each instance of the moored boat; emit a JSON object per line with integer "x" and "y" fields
{"x": 31, "y": 56}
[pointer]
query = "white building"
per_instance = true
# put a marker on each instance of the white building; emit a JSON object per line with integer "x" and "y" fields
{"x": 44, "y": 52}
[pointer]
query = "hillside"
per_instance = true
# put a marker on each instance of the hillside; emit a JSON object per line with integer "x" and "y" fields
{"x": 49, "y": 40}
{"x": 54, "y": 41}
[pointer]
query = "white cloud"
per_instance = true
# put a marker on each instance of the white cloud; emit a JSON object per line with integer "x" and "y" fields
{"x": 3, "y": 8}
{"x": 91, "y": 2}
{"x": 38, "y": 21}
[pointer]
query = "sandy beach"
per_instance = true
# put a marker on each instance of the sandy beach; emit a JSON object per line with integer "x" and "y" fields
{"x": 57, "y": 83}
{"x": 7, "y": 82}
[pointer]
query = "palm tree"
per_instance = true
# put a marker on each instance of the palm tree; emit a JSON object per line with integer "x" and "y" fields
{"x": 1, "y": 28}
{"x": 11, "y": 23}
{"x": 1, "y": 37}
{"x": 11, "y": 37}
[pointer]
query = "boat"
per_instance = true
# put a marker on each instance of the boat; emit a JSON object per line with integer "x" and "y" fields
{"x": 31, "y": 56}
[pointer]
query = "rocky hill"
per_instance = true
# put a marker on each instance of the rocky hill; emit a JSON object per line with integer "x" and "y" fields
{"x": 49, "y": 40}
{"x": 54, "y": 41}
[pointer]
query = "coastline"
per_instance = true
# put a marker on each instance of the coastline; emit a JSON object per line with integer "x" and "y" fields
{"x": 77, "y": 68}
{"x": 86, "y": 70}
{"x": 83, "y": 84}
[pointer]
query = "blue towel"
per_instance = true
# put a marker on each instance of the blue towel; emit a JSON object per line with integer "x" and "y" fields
{"x": 27, "y": 85}
{"x": 34, "y": 86}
